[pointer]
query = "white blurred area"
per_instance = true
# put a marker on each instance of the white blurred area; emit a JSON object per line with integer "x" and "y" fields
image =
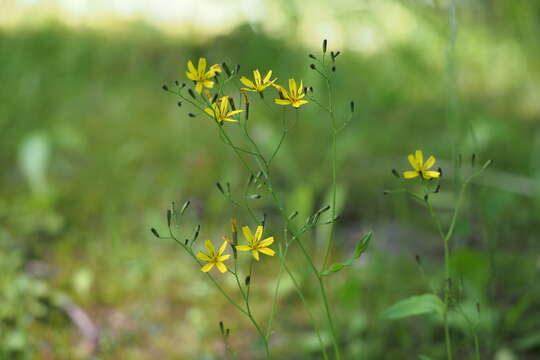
{"x": 363, "y": 25}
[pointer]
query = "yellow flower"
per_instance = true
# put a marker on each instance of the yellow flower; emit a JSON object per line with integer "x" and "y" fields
{"x": 260, "y": 84}
{"x": 200, "y": 75}
{"x": 221, "y": 113}
{"x": 420, "y": 167}
{"x": 213, "y": 258}
{"x": 293, "y": 96}
{"x": 255, "y": 245}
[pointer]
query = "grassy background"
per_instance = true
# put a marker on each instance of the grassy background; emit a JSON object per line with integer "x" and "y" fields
{"x": 93, "y": 151}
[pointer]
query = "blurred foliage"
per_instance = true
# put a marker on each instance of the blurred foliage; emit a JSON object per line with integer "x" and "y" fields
{"x": 93, "y": 151}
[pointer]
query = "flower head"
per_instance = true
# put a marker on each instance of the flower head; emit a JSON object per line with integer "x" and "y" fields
{"x": 293, "y": 96}
{"x": 221, "y": 112}
{"x": 255, "y": 244}
{"x": 259, "y": 84}
{"x": 200, "y": 75}
{"x": 420, "y": 167}
{"x": 213, "y": 257}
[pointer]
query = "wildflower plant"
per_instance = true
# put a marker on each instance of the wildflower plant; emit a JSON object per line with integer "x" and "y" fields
{"x": 222, "y": 96}
{"x": 429, "y": 182}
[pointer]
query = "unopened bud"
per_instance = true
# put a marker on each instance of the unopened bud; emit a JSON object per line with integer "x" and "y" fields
{"x": 312, "y": 66}
{"x": 231, "y": 102}
{"x": 254, "y": 196}
{"x": 324, "y": 45}
{"x": 165, "y": 87}
{"x": 179, "y": 104}
{"x": 418, "y": 261}
{"x": 437, "y": 189}
{"x": 191, "y": 115}
{"x": 396, "y": 174}
{"x": 473, "y": 159}
{"x": 184, "y": 207}
{"x": 226, "y": 68}
{"x": 312, "y": 56}
{"x": 220, "y": 188}
{"x": 221, "y": 329}
{"x": 334, "y": 68}
{"x": 156, "y": 234}
{"x": 192, "y": 94}
{"x": 169, "y": 216}
{"x": 293, "y": 215}
{"x": 248, "y": 280}
{"x": 352, "y": 106}
{"x": 196, "y": 234}
{"x": 247, "y": 111}
{"x": 214, "y": 98}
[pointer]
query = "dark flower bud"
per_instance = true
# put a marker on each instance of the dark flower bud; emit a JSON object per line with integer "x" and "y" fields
{"x": 311, "y": 89}
{"x": 323, "y": 209}
{"x": 396, "y": 174}
{"x": 220, "y": 188}
{"x": 324, "y": 45}
{"x": 169, "y": 216}
{"x": 186, "y": 242}
{"x": 440, "y": 171}
{"x": 176, "y": 82}
{"x": 165, "y": 87}
{"x": 312, "y": 66}
{"x": 192, "y": 94}
{"x": 293, "y": 215}
{"x": 248, "y": 280}
{"x": 254, "y": 196}
{"x": 473, "y": 159}
{"x": 226, "y": 68}
{"x": 459, "y": 160}
{"x": 334, "y": 68}
{"x": 426, "y": 197}
{"x": 237, "y": 69}
{"x": 352, "y": 106}
{"x": 312, "y": 56}
{"x": 192, "y": 115}
{"x": 263, "y": 223}
{"x": 437, "y": 189}
{"x": 179, "y": 104}
{"x": 214, "y": 98}
{"x": 196, "y": 234}
{"x": 231, "y": 102}
{"x": 156, "y": 234}
{"x": 246, "y": 115}
{"x": 221, "y": 329}
{"x": 417, "y": 258}
{"x": 184, "y": 207}
{"x": 228, "y": 184}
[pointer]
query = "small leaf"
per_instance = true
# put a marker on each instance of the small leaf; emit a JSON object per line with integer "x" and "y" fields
{"x": 361, "y": 246}
{"x": 415, "y": 305}
{"x": 424, "y": 357}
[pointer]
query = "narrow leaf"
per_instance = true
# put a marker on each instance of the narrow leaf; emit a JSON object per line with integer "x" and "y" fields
{"x": 415, "y": 305}
{"x": 361, "y": 246}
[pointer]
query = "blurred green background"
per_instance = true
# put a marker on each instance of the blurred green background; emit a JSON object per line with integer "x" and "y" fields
{"x": 92, "y": 152}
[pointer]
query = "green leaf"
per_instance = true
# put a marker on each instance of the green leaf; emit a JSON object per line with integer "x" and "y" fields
{"x": 424, "y": 357}
{"x": 361, "y": 246}
{"x": 415, "y": 305}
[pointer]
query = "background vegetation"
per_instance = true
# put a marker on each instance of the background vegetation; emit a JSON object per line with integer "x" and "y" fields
{"x": 92, "y": 152}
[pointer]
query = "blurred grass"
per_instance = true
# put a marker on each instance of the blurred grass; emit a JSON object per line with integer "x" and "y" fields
{"x": 120, "y": 150}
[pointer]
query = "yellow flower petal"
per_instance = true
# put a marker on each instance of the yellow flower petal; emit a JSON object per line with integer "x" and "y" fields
{"x": 255, "y": 254}
{"x": 429, "y": 162}
{"x": 243, "y": 248}
{"x": 222, "y": 248}
{"x": 223, "y": 105}
{"x": 267, "y": 242}
{"x": 234, "y": 112}
{"x": 223, "y": 257}
{"x": 209, "y": 84}
{"x": 247, "y": 234}
{"x": 191, "y": 76}
{"x": 292, "y": 87}
{"x": 202, "y": 65}
{"x": 244, "y": 80}
{"x": 221, "y": 267}
{"x": 207, "y": 267}
{"x": 412, "y": 161}
{"x": 209, "y": 112}
{"x": 268, "y": 76}
{"x": 257, "y": 77}
{"x": 227, "y": 119}
{"x": 282, "y": 102}
{"x": 198, "y": 87}
{"x": 202, "y": 256}
{"x": 432, "y": 174}
{"x": 209, "y": 247}
{"x": 258, "y": 233}
{"x": 410, "y": 174}
{"x": 299, "y": 103}
{"x": 419, "y": 157}
{"x": 191, "y": 68}
{"x": 267, "y": 251}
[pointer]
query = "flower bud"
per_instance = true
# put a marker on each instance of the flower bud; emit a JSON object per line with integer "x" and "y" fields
{"x": 237, "y": 69}
{"x": 156, "y": 234}
{"x": 248, "y": 280}
{"x": 473, "y": 159}
{"x": 192, "y": 94}
{"x": 254, "y": 196}
{"x": 169, "y": 216}
{"x": 247, "y": 110}
{"x": 191, "y": 115}
{"x": 184, "y": 207}
{"x": 226, "y": 68}
{"x": 221, "y": 329}
{"x": 324, "y": 45}
{"x": 220, "y": 188}
{"x": 231, "y": 102}
{"x": 396, "y": 174}
{"x": 214, "y": 98}
{"x": 196, "y": 234}
{"x": 312, "y": 66}
{"x": 312, "y": 56}
{"x": 179, "y": 104}
{"x": 165, "y": 87}
{"x": 293, "y": 215}
{"x": 437, "y": 189}
{"x": 334, "y": 68}
{"x": 352, "y": 106}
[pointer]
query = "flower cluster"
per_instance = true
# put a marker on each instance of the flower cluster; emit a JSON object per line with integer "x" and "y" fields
{"x": 254, "y": 244}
